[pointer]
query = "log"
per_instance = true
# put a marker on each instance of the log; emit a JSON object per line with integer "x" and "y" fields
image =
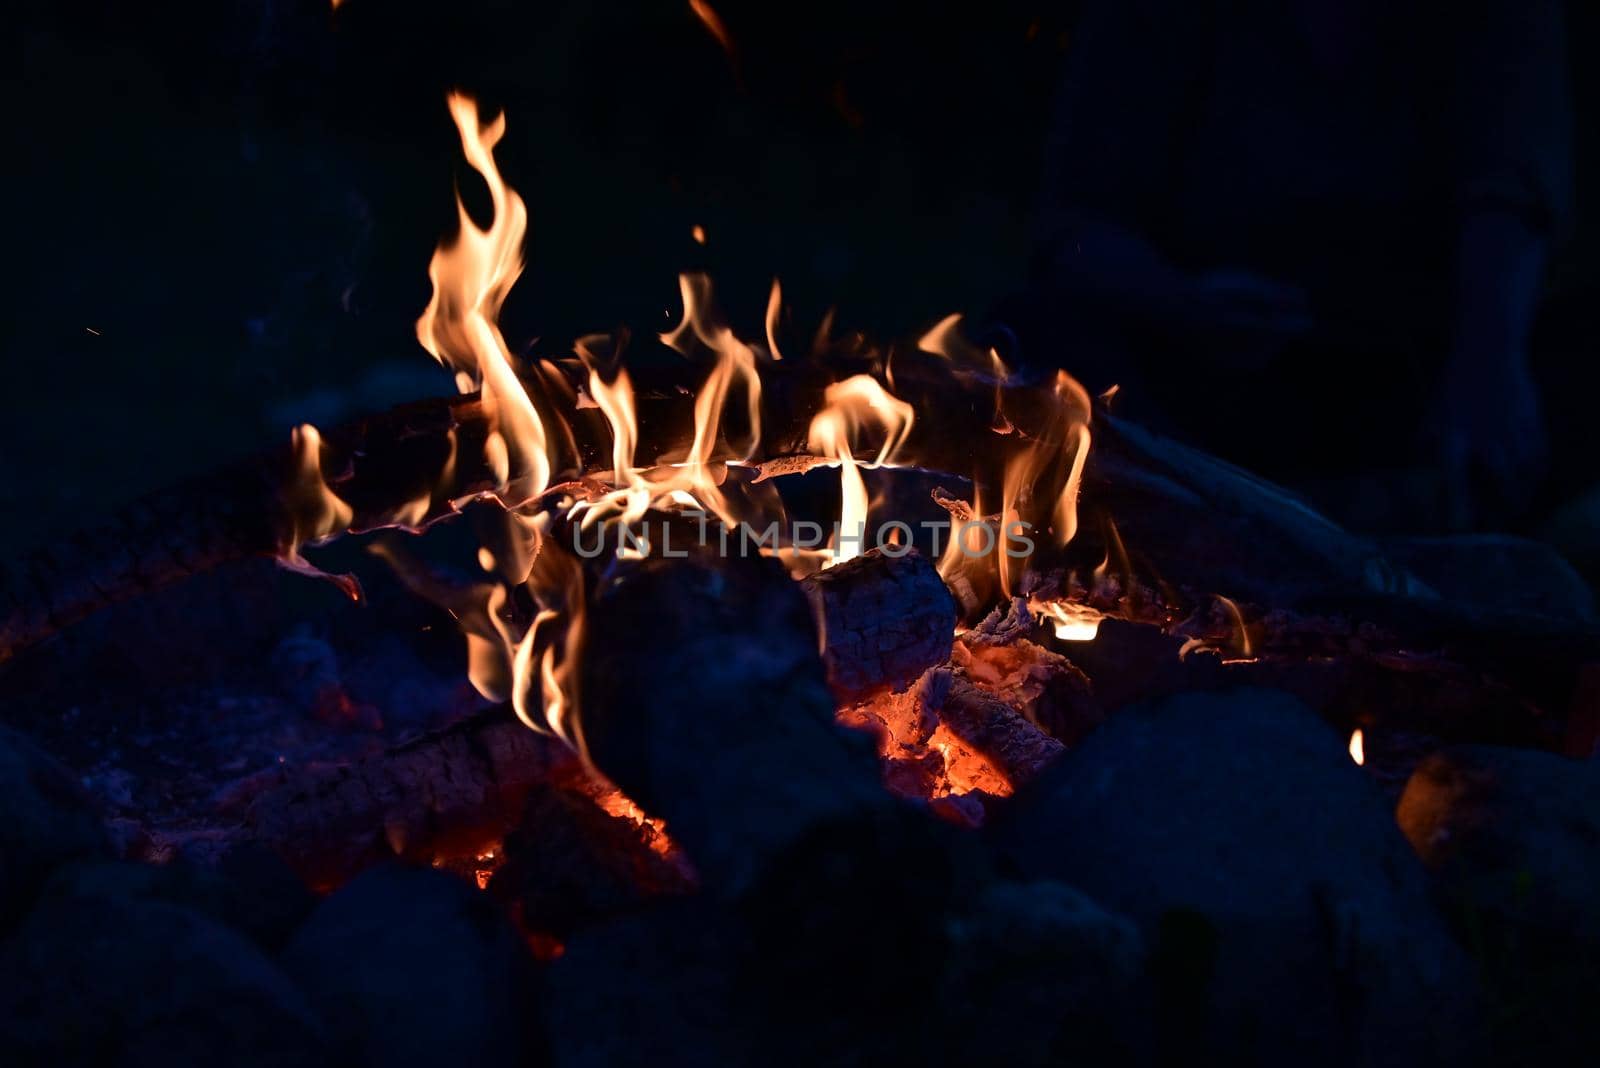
{"x": 454, "y": 791}
{"x": 1187, "y": 518}
{"x": 571, "y": 864}
{"x": 884, "y": 621}
{"x": 376, "y": 464}
{"x": 1017, "y": 748}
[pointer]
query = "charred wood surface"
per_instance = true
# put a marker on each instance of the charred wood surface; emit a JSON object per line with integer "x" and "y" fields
{"x": 569, "y": 864}
{"x": 455, "y": 790}
{"x": 1019, "y": 749}
{"x": 884, "y": 619}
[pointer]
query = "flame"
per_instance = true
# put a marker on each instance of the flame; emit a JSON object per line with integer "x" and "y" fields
{"x": 1042, "y": 480}
{"x": 713, "y": 23}
{"x": 1357, "y": 749}
{"x": 847, "y": 407}
{"x": 774, "y": 306}
{"x": 1073, "y": 622}
{"x": 314, "y": 511}
{"x": 1243, "y": 647}
{"x": 471, "y": 277}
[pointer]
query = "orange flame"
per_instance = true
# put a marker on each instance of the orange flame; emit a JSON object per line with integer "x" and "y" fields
{"x": 847, "y": 406}
{"x": 471, "y": 277}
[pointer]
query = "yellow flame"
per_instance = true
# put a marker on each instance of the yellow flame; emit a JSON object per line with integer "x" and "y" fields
{"x": 1042, "y": 480}
{"x": 774, "y": 306}
{"x": 471, "y": 277}
{"x": 847, "y": 407}
{"x": 314, "y": 511}
{"x": 1357, "y": 748}
{"x": 1073, "y": 622}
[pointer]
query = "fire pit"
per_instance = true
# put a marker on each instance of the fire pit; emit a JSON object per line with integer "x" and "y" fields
{"x": 826, "y": 704}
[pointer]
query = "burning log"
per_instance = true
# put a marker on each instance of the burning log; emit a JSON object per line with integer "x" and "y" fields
{"x": 570, "y": 864}
{"x": 719, "y": 721}
{"x": 884, "y": 619}
{"x": 382, "y": 464}
{"x": 455, "y": 791}
{"x": 998, "y": 732}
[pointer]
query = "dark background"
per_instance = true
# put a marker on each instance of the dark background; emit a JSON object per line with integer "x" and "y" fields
{"x": 225, "y": 211}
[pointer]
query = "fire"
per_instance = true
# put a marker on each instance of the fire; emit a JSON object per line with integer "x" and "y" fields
{"x": 1357, "y": 747}
{"x": 848, "y": 406}
{"x": 532, "y": 411}
{"x": 460, "y": 327}
{"x": 713, "y": 23}
{"x": 1072, "y": 622}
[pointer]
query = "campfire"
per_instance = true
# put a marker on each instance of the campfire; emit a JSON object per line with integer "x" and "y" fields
{"x": 832, "y": 701}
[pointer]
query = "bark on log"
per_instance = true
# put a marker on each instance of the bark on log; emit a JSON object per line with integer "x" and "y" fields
{"x": 453, "y": 791}
{"x": 884, "y": 620}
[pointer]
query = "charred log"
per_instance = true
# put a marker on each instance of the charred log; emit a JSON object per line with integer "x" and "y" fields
{"x": 570, "y": 864}
{"x": 884, "y": 620}
{"x": 452, "y": 791}
{"x": 1019, "y": 749}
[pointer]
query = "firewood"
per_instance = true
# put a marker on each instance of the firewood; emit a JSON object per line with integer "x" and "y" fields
{"x": 704, "y": 699}
{"x": 570, "y": 864}
{"x": 1187, "y": 518}
{"x": 1017, "y": 748}
{"x": 376, "y": 464}
{"x": 885, "y": 620}
{"x": 452, "y": 791}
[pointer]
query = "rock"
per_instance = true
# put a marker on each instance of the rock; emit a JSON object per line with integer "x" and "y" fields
{"x": 113, "y": 980}
{"x": 1039, "y": 974}
{"x": 48, "y": 821}
{"x": 250, "y": 891}
{"x": 1496, "y": 572}
{"x": 650, "y": 989}
{"x": 1287, "y": 920}
{"x": 412, "y": 966}
{"x": 1512, "y": 837}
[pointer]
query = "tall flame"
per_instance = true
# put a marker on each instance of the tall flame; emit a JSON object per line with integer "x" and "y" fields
{"x": 471, "y": 277}
{"x": 847, "y": 407}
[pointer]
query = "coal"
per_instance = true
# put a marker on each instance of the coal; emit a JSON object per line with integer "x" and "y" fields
{"x": 1287, "y": 919}
{"x": 48, "y": 821}
{"x": 412, "y": 966}
{"x": 1512, "y": 837}
{"x": 127, "y": 981}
